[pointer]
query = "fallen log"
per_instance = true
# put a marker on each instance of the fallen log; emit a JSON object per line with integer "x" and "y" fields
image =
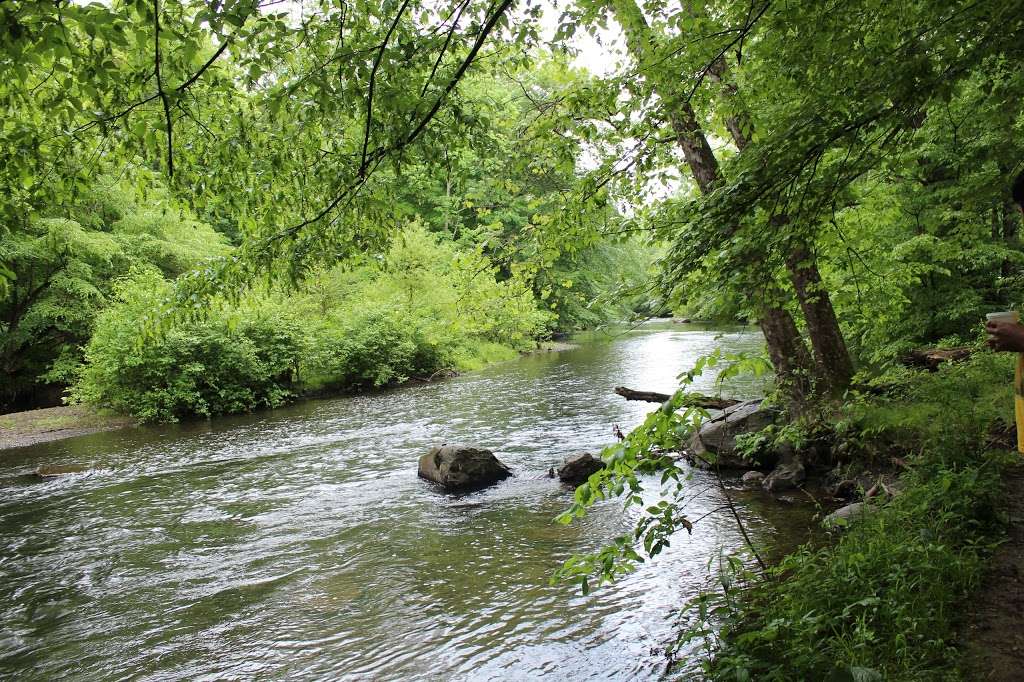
{"x": 931, "y": 358}
{"x": 692, "y": 399}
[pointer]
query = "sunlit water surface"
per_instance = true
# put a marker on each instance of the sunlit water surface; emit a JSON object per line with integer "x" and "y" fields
{"x": 299, "y": 543}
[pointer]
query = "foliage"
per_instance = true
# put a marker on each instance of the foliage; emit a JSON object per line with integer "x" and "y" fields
{"x": 223, "y": 364}
{"x": 882, "y": 601}
{"x": 425, "y": 308}
{"x": 64, "y": 265}
{"x": 647, "y": 451}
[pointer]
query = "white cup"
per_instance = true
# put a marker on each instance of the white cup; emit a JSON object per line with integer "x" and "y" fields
{"x": 1006, "y": 316}
{"x": 1011, "y": 316}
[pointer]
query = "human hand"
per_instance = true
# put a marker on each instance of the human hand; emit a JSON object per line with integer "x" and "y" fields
{"x": 1005, "y": 336}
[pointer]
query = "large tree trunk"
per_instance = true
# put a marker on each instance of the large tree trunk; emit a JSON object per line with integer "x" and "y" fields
{"x": 830, "y": 352}
{"x": 831, "y": 356}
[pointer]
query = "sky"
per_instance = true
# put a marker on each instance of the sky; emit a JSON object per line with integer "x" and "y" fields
{"x": 597, "y": 55}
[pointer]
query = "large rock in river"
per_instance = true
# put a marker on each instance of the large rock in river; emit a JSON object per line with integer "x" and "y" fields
{"x": 579, "y": 467}
{"x": 716, "y": 440}
{"x": 459, "y": 467}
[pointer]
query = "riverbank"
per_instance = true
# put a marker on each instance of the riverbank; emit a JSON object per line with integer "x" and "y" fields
{"x": 888, "y": 596}
{"x": 48, "y": 424}
{"x": 20, "y": 429}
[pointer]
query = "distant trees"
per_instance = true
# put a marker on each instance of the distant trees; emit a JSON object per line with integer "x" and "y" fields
{"x": 312, "y": 134}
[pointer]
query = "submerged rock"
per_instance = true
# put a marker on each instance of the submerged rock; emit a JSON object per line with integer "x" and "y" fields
{"x": 55, "y": 470}
{"x": 578, "y": 468}
{"x": 716, "y": 440}
{"x": 460, "y": 467}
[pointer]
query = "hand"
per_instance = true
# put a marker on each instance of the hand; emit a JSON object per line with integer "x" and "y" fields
{"x": 1005, "y": 336}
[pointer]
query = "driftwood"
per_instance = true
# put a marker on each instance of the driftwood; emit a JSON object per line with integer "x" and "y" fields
{"x": 931, "y": 358}
{"x": 693, "y": 399}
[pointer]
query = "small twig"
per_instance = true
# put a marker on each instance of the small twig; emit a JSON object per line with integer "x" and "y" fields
{"x": 739, "y": 522}
{"x": 735, "y": 515}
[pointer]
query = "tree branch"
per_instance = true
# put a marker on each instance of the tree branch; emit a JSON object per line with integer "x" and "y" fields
{"x": 373, "y": 81}
{"x": 160, "y": 88}
{"x": 378, "y": 154}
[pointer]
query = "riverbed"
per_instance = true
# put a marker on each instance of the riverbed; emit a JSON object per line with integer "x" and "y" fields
{"x": 299, "y": 543}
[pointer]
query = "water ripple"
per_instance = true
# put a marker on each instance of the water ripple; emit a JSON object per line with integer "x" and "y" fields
{"x": 300, "y": 544}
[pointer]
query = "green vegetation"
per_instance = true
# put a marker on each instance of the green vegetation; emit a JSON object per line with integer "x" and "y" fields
{"x": 883, "y": 601}
{"x": 216, "y": 207}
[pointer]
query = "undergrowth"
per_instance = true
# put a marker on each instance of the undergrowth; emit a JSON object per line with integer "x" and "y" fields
{"x": 882, "y": 600}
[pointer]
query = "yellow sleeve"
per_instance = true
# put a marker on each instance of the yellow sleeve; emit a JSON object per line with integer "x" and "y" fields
{"x": 1018, "y": 401}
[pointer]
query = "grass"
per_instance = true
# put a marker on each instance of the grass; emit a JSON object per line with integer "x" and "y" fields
{"x": 882, "y": 601}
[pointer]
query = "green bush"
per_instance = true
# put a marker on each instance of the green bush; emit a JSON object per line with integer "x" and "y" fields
{"x": 212, "y": 367}
{"x": 424, "y": 308}
{"x": 373, "y": 348}
{"x": 880, "y": 604}
{"x": 64, "y": 265}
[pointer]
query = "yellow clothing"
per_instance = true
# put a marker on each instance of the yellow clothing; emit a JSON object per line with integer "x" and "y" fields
{"x": 1018, "y": 401}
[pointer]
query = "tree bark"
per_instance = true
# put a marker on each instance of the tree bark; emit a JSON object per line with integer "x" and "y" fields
{"x": 830, "y": 353}
{"x": 788, "y": 352}
{"x": 786, "y": 347}
{"x": 694, "y": 145}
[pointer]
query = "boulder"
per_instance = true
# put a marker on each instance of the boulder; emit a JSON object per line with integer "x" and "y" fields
{"x": 716, "y": 439}
{"x": 460, "y": 467}
{"x": 844, "y": 516}
{"x": 578, "y": 468}
{"x": 752, "y": 479}
{"x": 787, "y": 475}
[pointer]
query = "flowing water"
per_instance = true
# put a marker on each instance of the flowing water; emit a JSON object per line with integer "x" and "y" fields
{"x": 300, "y": 544}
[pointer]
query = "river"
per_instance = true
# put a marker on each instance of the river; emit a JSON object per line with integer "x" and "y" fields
{"x": 299, "y": 543}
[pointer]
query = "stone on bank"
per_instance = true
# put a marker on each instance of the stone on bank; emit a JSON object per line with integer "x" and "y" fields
{"x": 714, "y": 445}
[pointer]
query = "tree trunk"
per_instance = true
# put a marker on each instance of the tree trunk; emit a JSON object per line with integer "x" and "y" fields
{"x": 788, "y": 352}
{"x": 738, "y": 123}
{"x": 786, "y": 347}
{"x": 694, "y": 144}
{"x": 830, "y": 352}
{"x": 831, "y": 356}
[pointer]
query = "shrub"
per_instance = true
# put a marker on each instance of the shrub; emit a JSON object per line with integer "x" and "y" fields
{"x": 212, "y": 367}
{"x": 882, "y": 602}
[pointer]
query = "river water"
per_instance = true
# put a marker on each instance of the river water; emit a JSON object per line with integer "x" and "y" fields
{"x": 300, "y": 544}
